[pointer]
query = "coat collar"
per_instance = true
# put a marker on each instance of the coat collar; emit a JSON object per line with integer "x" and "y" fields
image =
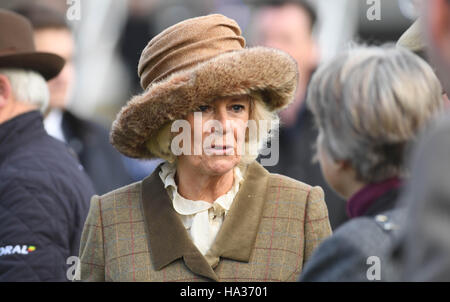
{"x": 19, "y": 131}
{"x": 369, "y": 196}
{"x": 170, "y": 241}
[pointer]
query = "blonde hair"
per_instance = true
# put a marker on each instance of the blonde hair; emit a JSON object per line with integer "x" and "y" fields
{"x": 160, "y": 144}
{"x": 369, "y": 104}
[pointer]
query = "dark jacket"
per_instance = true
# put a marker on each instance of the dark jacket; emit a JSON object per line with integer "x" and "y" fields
{"x": 296, "y": 161}
{"x": 102, "y": 162}
{"x": 423, "y": 251}
{"x": 44, "y": 201}
{"x": 359, "y": 250}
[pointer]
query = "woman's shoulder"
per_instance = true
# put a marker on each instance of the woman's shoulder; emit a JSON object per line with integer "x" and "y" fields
{"x": 287, "y": 182}
{"x": 125, "y": 194}
{"x": 283, "y": 183}
{"x": 282, "y": 187}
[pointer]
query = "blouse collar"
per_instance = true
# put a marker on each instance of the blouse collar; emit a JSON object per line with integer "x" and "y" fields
{"x": 186, "y": 206}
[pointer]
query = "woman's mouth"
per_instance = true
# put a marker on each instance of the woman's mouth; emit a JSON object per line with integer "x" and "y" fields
{"x": 219, "y": 150}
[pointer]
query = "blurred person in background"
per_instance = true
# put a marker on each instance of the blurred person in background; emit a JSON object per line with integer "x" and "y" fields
{"x": 288, "y": 25}
{"x": 213, "y": 216}
{"x": 89, "y": 140}
{"x": 141, "y": 22}
{"x": 44, "y": 192}
{"x": 414, "y": 40}
{"x": 424, "y": 249}
{"x": 370, "y": 104}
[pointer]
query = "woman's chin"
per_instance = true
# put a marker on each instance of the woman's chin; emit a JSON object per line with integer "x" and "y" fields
{"x": 220, "y": 164}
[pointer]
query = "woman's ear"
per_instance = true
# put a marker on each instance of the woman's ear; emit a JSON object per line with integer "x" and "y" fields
{"x": 344, "y": 164}
{"x": 5, "y": 91}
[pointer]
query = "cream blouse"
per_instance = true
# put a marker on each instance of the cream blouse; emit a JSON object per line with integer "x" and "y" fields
{"x": 201, "y": 219}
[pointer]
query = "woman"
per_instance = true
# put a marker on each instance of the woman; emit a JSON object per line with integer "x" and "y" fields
{"x": 210, "y": 211}
{"x": 369, "y": 104}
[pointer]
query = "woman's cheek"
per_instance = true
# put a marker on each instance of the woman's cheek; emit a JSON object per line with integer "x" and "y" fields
{"x": 446, "y": 101}
{"x": 240, "y": 131}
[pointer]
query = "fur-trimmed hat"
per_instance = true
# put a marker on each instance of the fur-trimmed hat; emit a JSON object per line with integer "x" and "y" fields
{"x": 192, "y": 63}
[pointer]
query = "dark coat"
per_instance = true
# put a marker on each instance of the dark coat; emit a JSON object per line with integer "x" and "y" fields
{"x": 344, "y": 257}
{"x": 102, "y": 162}
{"x": 44, "y": 201}
{"x": 295, "y": 161}
{"x": 423, "y": 251}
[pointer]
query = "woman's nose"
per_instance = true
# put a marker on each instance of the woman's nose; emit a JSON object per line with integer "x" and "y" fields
{"x": 222, "y": 117}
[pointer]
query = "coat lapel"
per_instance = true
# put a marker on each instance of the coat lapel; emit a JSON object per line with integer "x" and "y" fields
{"x": 237, "y": 236}
{"x": 168, "y": 239}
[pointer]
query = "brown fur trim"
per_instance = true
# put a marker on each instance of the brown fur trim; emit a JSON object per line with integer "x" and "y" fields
{"x": 270, "y": 71}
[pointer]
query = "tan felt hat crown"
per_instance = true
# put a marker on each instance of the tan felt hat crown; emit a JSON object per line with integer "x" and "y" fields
{"x": 194, "y": 62}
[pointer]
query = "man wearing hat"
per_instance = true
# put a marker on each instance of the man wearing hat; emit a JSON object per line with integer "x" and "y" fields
{"x": 89, "y": 140}
{"x": 44, "y": 192}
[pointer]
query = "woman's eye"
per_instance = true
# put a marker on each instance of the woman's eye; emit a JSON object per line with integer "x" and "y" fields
{"x": 204, "y": 108}
{"x": 237, "y": 108}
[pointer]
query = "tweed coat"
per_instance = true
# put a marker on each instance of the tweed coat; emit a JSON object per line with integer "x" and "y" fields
{"x": 271, "y": 229}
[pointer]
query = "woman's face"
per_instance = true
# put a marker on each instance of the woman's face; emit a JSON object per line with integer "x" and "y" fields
{"x": 331, "y": 170}
{"x": 217, "y": 135}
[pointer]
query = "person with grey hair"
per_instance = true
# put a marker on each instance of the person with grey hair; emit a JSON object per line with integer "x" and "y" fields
{"x": 44, "y": 195}
{"x": 88, "y": 139}
{"x": 370, "y": 104}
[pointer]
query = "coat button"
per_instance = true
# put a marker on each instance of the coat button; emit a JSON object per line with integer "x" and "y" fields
{"x": 381, "y": 218}
{"x": 388, "y": 226}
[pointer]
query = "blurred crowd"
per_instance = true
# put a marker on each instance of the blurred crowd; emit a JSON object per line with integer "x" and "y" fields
{"x": 367, "y": 124}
